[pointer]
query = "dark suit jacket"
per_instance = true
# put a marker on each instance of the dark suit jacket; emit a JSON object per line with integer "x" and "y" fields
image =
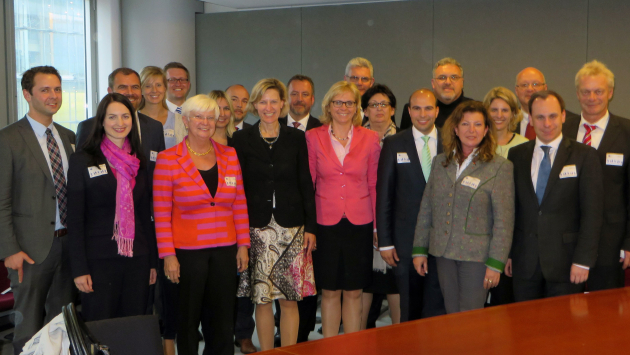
{"x": 285, "y": 170}
{"x": 151, "y": 131}
{"x": 28, "y": 199}
{"x": 246, "y": 125}
{"x": 445, "y": 111}
{"x": 91, "y": 211}
{"x": 313, "y": 122}
{"x": 565, "y": 228}
{"x": 399, "y": 189}
{"x": 616, "y": 230}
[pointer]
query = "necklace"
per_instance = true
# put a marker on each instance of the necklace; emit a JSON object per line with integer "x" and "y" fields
{"x": 266, "y": 141}
{"x": 339, "y": 139}
{"x": 195, "y": 153}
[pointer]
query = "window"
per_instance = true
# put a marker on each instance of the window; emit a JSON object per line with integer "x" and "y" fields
{"x": 52, "y": 32}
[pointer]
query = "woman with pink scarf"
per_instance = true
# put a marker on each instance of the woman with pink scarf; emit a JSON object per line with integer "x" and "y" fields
{"x": 111, "y": 235}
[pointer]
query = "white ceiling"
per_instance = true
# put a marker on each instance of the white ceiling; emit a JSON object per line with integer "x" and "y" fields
{"x": 262, "y": 4}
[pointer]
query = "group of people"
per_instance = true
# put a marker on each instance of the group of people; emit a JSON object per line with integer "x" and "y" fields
{"x": 512, "y": 196}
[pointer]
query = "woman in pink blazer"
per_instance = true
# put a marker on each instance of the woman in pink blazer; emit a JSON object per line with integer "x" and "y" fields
{"x": 343, "y": 158}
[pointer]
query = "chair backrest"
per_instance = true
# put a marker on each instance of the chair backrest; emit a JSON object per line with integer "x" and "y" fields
{"x": 129, "y": 335}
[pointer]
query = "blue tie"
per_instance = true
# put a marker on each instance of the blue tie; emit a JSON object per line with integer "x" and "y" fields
{"x": 543, "y": 174}
{"x": 179, "y": 110}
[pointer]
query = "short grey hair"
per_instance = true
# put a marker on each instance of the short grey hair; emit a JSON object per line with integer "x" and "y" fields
{"x": 446, "y": 61}
{"x": 359, "y": 62}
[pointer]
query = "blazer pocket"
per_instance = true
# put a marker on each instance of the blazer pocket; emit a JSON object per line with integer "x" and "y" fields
{"x": 569, "y": 237}
{"x": 21, "y": 215}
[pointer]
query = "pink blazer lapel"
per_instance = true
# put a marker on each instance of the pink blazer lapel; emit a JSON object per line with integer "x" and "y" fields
{"x": 324, "y": 140}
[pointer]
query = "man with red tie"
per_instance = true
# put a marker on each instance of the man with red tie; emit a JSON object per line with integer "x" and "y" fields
{"x": 239, "y": 97}
{"x": 610, "y": 135}
{"x": 301, "y": 99}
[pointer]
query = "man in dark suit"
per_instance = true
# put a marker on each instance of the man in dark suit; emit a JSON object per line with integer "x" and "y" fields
{"x": 403, "y": 170}
{"x": 301, "y": 99}
{"x": 448, "y": 86}
{"x": 126, "y": 81}
{"x": 529, "y": 81}
{"x": 34, "y": 156}
{"x": 610, "y": 135}
{"x": 239, "y": 97}
{"x": 559, "y": 204}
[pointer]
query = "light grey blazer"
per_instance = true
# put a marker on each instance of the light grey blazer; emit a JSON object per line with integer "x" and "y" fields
{"x": 464, "y": 223}
{"x": 27, "y": 191}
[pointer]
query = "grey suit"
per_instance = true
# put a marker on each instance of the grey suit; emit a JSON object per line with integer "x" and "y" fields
{"x": 467, "y": 224}
{"x": 27, "y": 223}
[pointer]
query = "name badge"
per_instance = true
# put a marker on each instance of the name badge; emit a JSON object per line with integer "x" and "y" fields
{"x": 73, "y": 147}
{"x": 402, "y": 158}
{"x": 169, "y": 133}
{"x": 153, "y": 155}
{"x": 568, "y": 171}
{"x": 614, "y": 159}
{"x": 95, "y": 171}
{"x": 471, "y": 182}
{"x": 230, "y": 181}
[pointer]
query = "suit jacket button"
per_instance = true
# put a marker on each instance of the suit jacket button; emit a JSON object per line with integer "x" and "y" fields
{"x": 540, "y": 213}
{"x": 52, "y": 223}
{"x": 450, "y": 195}
{"x": 54, "y": 197}
{"x": 211, "y": 203}
{"x": 448, "y": 222}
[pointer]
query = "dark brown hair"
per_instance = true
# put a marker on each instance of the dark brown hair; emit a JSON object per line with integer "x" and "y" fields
{"x": 544, "y": 95}
{"x": 453, "y": 146}
{"x": 28, "y": 77}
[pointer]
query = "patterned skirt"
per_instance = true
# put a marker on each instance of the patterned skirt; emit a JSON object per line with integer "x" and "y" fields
{"x": 279, "y": 267}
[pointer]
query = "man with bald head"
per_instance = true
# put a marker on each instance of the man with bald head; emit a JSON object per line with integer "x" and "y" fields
{"x": 239, "y": 97}
{"x": 529, "y": 81}
{"x": 403, "y": 170}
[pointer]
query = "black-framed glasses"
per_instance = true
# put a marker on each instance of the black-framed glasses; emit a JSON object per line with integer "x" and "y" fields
{"x": 453, "y": 77}
{"x": 376, "y": 105}
{"x": 535, "y": 85}
{"x": 356, "y": 79}
{"x": 177, "y": 80}
{"x": 339, "y": 103}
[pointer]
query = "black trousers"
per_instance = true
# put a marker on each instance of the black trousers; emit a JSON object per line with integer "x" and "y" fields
{"x": 420, "y": 296}
{"x": 537, "y": 287}
{"x": 605, "y": 277}
{"x": 121, "y": 288}
{"x": 244, "y": 318}
{"x": 169, "y": 292}
{"x": 206, "y": 294}
{"x": 502, "y": 294}
{"x": 307, "y": 308}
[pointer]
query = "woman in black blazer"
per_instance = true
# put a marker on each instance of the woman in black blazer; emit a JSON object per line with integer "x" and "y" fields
{"x": 112, "y": 239}
{"x": 281, "y": 206}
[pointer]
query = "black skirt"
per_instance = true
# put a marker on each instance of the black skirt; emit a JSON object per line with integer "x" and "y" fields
{"x": 343, "y": 259}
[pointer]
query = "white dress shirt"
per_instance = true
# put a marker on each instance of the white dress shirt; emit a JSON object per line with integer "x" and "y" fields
{"x": 524, "y": 123}
{"x": 171, "y": 106}
{"x": 538, "y": 157}
{"x": 40, "y": 133}
{"x": 303, "y": 122}
{"x": 240, "y": 125}
{"x": 597, "y": 134}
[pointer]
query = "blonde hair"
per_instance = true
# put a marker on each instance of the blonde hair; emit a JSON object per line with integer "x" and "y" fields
{"x": 447, "y": 61}
{"x": 148, "y": 73}
{"x": 200, "y": 103}
{"x": 453, "y": 146}
{"x": 508, "y": 96}
{"x": 338, "y": 88}
{"x": 595, "y": 68}
{"x": 361, "y": 63}
{"x": 261, "y": 88}
{"x": 218, "y": 94}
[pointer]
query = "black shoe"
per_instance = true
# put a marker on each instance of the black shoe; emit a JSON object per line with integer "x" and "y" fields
{"x": 320, "y": 331}
{"x": 276, "y": 340}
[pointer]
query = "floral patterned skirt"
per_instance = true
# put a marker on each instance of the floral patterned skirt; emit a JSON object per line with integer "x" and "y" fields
{"x": 279, "y": 267}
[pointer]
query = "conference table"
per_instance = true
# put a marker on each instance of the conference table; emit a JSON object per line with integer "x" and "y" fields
{"x": 592, "y": 323}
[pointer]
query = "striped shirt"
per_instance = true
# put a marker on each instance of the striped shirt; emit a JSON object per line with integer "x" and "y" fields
{"x": 186, "y": 215}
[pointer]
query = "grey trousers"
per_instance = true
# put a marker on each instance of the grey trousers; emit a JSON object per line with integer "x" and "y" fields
{"x": 462, "y": 284}
{"x": 45, "y": 288}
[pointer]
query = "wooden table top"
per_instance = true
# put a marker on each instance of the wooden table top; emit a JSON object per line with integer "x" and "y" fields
{"x": 594, "y": 323}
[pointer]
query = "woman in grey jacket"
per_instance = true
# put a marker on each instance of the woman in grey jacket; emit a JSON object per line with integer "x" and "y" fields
{"x": 466, "y": 216}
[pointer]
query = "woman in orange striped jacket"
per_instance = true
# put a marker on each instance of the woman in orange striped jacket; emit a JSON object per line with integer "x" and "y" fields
{"x": 202, "y": 228}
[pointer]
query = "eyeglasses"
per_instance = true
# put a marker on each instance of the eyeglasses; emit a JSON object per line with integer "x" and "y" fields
{"x": 376, "y": 105}
{"x": 202, "y": 118}
{"x": 339, "y": 103}
{"x": 356, "y": 79}
{"x": 177, "y": 80}
{"x": 535, "y": 85}
{"x": 444, "y": 77}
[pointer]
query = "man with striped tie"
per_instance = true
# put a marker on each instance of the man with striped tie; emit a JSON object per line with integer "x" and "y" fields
{"x": 559, "y": 207}
{"x": 178, "y": 79}
{"x": 34, "y": 154}
{"x": 610, "y": 135}
{"x": 403, "y": 171}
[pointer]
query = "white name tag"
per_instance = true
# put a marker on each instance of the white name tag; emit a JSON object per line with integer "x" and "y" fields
{"x": 402, "y": 158}
{"x": 97, "y": 171}
{"x": 568, "y": 171}
{"x": 169, "y": 133}
{"x": 614, "y": 159}
{"x": 153, "y": 155}
{"x": 471, "y": 182}
{"x": 73, "y": 147}
{"x": 230, "y": 181}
